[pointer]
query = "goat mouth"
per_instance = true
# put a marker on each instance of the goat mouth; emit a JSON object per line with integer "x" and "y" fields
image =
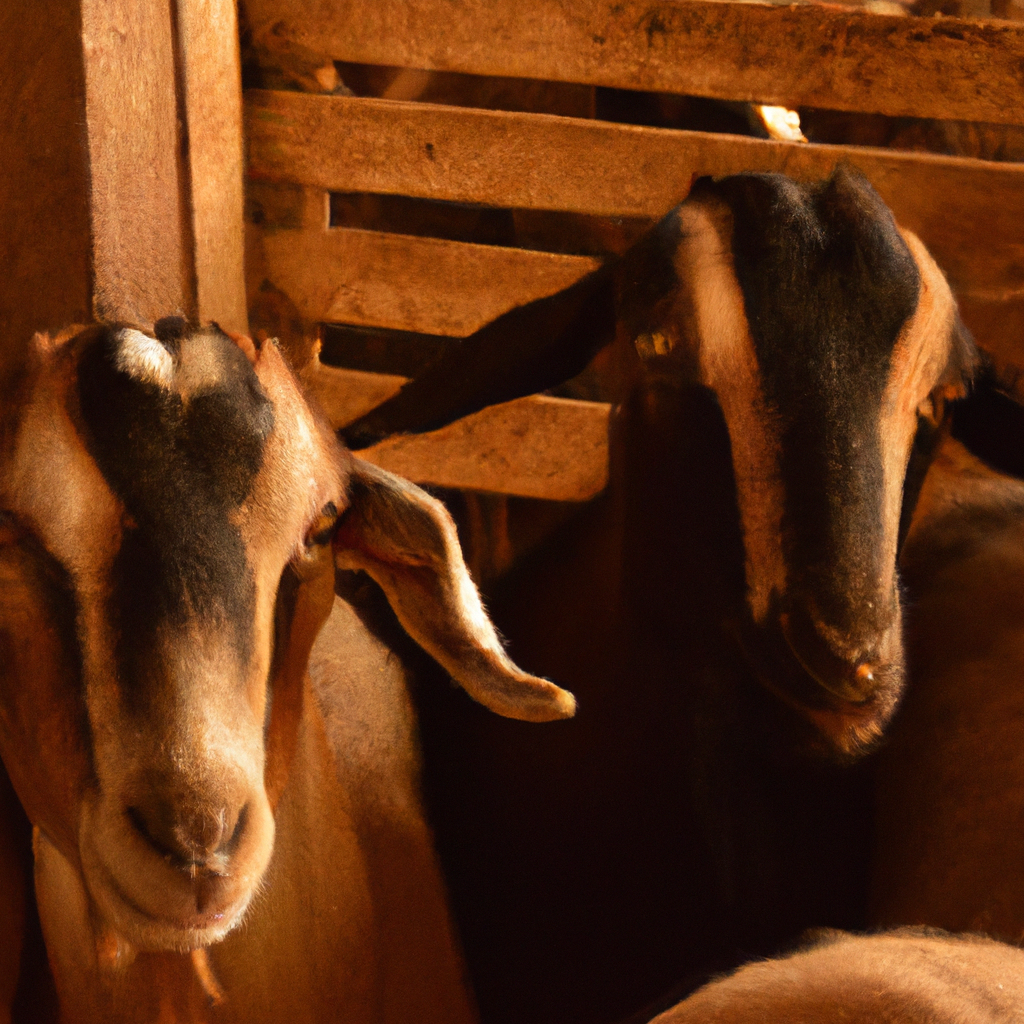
{"x": 154, "y": 905}
{"x": 850, "y": 727}
{"x": 156, "y": 932}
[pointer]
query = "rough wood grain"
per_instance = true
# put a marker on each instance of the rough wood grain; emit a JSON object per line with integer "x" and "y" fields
{"x": 345, "y": 395}
{"x": 105, "y": 211}
{"x": 537, "y": 447}
{"x": 409, "y": 284}
{"x": 141, "y": 257}
{"x": 967, "y": 212}
{"x": 812, "y": 55}
{"x": 212, "y": 77}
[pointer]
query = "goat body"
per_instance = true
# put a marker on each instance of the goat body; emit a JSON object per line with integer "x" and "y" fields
{"x": 903, "y": 977}
{"x": 727, "y": 611}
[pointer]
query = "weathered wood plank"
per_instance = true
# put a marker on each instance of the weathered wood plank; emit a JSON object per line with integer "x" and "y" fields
{"x": 141, "y": 257}
{"x": 809, "y": 55}
{"x": 536, "y": 447}
{"x": 105, "y": 212}
{"x": 968, "y": 212}
{"x": 410, "y": 284}
{"x": 345, "y": 395}
{"x": 212, "y": 80}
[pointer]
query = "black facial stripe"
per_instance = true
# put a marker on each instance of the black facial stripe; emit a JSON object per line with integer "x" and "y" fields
{"x": 181, "y": 469}
{"x": 828, "y": 283}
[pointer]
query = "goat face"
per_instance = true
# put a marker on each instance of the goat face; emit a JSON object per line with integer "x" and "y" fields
{"x": 172, "y": 516}
{"x": 172, "y": 481}
{"x": 829, "y": 338}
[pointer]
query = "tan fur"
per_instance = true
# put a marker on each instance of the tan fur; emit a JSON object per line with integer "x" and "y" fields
{"x": 918, "y": 361}
{"x": 729, "y": 367}
{"x": 412, "y": 551}
{"x": 334, "y": 873}
{"x": 898, "y": 978}
{"x": 950, "y": 845}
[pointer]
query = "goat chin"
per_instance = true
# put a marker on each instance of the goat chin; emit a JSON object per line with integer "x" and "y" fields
{"x": 842, "y": 728}
{"x": 155, "y": 904}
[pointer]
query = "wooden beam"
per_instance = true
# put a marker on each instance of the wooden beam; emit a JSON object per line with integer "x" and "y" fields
{"x": 409, "y": 284}
{"x": 212, "y": 79}
{"x": 345, "y": 395}
{"x": 106, "y": 212}
{"x": 808, "y": 55}
{"x": 141, "y": 256}
{"x": 968, "y": 212}
{"x": 536, "y": 447}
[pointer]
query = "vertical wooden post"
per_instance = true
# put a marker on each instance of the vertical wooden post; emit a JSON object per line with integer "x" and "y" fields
{"x": 120, "y": 165}
{"x": 212, "y": 76}
{"x": 141, "y": 244}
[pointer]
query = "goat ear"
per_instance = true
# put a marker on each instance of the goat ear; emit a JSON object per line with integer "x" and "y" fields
{"x": 406, "y": 541}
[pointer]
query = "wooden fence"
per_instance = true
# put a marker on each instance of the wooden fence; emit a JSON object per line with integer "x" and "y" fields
{"x": 969, "y": 212}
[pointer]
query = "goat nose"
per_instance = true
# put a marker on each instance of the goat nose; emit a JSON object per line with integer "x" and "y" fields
{"x": 188, "y": 835}
{"x": 851, "y": 679}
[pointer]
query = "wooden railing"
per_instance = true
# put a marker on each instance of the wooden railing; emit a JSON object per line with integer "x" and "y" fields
{"x": 969, "y": 212}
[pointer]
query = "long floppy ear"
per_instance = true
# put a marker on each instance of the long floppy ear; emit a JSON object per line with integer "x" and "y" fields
{"x": 406, "y": 541}
{"x": 523, "y": 351}
{"x": 536, "y": 346}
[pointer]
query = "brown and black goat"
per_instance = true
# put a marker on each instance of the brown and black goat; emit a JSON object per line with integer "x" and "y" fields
{"x": 216, "y": 755}
{"x": 732, "y": 601}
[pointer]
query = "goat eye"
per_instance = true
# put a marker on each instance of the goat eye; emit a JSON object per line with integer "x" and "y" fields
{"x": 322, "y": 528}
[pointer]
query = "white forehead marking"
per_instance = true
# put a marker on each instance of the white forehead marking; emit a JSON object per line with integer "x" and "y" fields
{"x": 143, "y": 357}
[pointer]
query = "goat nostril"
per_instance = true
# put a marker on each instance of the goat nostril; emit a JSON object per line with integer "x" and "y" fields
{"x": 138, "y": 821}
{"x": 845, "y": 678}
{"x": 231, "y": 839}
{"x": 193, "y": 838}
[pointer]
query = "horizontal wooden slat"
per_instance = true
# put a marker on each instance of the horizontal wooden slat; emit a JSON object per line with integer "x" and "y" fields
{"x": 810, "y": 55}
{"x": 345, "y": 395}
{"x": 968, "y": 212}
{"x": 537, "y": 447}
{"x": 410, "y": 284}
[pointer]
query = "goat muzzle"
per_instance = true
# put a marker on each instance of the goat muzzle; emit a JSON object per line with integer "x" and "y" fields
{"x": 852, "y": 678}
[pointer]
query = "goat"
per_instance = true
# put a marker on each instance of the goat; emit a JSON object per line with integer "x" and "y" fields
{"x": 902, "y": 977}
{"x": 210, "y": 818}
{"x": 731, "y": 602}
{"x": 951, "y": 779}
